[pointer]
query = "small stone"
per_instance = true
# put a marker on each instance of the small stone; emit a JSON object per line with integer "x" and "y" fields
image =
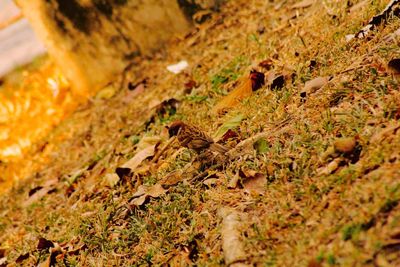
{"x": 345, "y": 145}
{"x": 312, "y": 86}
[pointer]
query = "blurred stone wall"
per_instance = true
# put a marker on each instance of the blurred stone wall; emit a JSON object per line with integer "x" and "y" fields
{"x": 18, "y": 43}
{"x": 94, "y": 40}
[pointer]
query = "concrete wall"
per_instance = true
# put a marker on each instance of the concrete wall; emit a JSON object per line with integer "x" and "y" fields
{"x": 18, "y": 43}
{"x": 93, "y": 40}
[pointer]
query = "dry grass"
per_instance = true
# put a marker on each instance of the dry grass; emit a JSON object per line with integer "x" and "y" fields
{"x": 348, "y": 217}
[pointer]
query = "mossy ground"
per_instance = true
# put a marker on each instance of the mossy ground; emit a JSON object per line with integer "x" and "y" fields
{"x": 346, "y": 217}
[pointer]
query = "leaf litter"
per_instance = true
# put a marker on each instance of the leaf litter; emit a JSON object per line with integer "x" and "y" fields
{"x": 301, "y": 198}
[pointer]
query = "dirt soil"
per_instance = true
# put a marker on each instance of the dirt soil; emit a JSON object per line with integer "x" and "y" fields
{"x": 313, "y": 173}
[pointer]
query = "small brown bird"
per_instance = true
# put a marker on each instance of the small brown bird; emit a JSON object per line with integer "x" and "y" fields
{"x": 192, "y": 137}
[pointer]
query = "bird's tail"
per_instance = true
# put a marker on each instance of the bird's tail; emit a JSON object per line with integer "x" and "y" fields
{"x": 218, "y": 148}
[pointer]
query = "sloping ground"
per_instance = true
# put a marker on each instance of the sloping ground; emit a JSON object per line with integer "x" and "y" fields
{"x": 319, "y": 186}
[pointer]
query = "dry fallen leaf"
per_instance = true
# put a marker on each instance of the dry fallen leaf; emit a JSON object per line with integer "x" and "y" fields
{"x": 144, "y": 192}
{"x": 266, "y": 64}
{"x": 349, "y": 37}
{"x": 77, "y": 249}
{"x": 357, "y": 7}
{"x": 385, "y": 133}
{"x": 270, "y": 77}
{"x": 255, "y": 184}
{"x": 36, "y": 195}
{"x": 3, "y": 258}
{"x": 22, "y": 257}
{"x": 380, "y": 19}
{"x": 330, "y": 168}
{"x": 314, "y": 85}
{"x": 234, "y": 98}
{"x": 146, "y": 149}
{"x": 392, "y": 36}
{"x": 122, "y": 172}
{"x": 140, "y": 191}
{"x": 233, "y": 182}
{"x": 111, "y": 179}
{"x": 314, "y": 263}
{"x": 211, "y": 182}
{"x": 155, "y": 191}
{"x": 167, "y": 107}
{"x": 232, "y": 246}
{"x": 303, "y": 4}
{"x": 148, "y": 141}
{"x": 257, "y": 79}
{"x": 55, "y": 253}
{"x": 394, "y": 67}
{"x": 278, "y": 82}
{"x": 130, "y": 95}
{"x": 230, "y": 134}
{"x": 139, "y": 201}
{"x": 245, "y": 89}
{"x": 43, "y": 243}
{"x": 172, "y": 178}
{"x": 189, "y": 85}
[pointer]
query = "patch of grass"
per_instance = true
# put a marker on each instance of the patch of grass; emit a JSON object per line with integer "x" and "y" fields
{"x": 196, "y": 98}
{"x": 331, "y": 259}
{"x": 389, "y": 205}
{"x": 134, "y": 139}
{"x": 253, "y": 37}
{"x": 150, "y": 180}
{"x": 350, "y": 231}
{"x": 345, "y": 214}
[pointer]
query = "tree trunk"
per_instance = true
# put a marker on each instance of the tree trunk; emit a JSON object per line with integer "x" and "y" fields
{"x": 93, "y": 40}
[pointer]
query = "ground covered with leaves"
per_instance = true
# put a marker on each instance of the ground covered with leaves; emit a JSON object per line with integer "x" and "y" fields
{"x": 313, "y": 173}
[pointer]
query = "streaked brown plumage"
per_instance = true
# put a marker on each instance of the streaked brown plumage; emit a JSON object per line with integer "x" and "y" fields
{"x": 192, "y": 137}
